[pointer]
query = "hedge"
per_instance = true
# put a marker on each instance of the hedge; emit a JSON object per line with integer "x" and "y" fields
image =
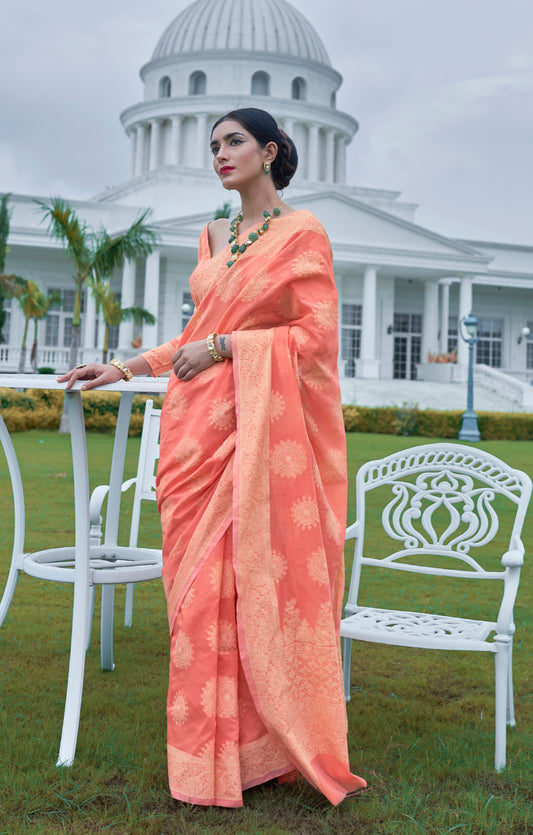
{"x": 41, "y": 409}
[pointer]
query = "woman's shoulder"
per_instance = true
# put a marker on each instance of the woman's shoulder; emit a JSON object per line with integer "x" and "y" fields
{"x": 303, "y": 220}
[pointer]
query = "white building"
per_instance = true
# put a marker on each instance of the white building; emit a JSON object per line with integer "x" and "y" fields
{"x": 402, "y": 288}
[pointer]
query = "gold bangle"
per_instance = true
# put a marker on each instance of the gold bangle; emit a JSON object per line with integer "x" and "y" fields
{"x": 210, "y": 343}
{"x": 127, "y": 372}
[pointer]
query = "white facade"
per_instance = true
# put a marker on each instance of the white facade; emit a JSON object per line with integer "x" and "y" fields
{"x": 402, "y": 288}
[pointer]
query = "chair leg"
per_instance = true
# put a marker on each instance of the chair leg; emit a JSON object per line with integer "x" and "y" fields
{"x": 128, "y": 608}
{"x": 90, "y": 615}
{"x": 501, "y": 661}
{"x": 106, "y": 627}
{"x": 76, "y": 670}
{"x": 9, "y": 591}
{"x": 346, "y": 666}
{"x": 510, "y": 694}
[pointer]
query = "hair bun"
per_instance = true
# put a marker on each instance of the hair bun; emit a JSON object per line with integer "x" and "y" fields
{"x": 286, "y": 162}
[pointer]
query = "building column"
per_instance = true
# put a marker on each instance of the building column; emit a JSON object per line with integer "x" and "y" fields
{"x": 312, "y": 153}
{"x": 340, "y": 159}
{"x": 330, "y": 157}
{"x": 175, "y": 140}
{"x": 465, "y": 307}
{"x": 133, "y": 151}
{"x": 430, "y": 321}
{"x": 89, "y": 327}
{"x": 368, "y": 365}
{"x": 155, "y": 135}
{"x": 140, "y": 149}
{"x": 201, "y": 139}
{"x": 127, "y": 299}
{"x": 444, "y": 314}
{"x": 151, "y": 299}
{"x": 288, "y": 127}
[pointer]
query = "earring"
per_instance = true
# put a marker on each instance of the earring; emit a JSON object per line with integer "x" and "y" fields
{"x": 266, "y": 166}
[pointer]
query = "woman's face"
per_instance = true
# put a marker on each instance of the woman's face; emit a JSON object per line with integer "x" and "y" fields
{"x": 237, "y": 156}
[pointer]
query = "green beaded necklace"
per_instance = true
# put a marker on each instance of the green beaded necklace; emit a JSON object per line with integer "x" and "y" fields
{"x": 238, "y": 249}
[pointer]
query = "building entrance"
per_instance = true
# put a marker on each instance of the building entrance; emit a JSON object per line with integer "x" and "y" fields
{"x": 407, "y": 345}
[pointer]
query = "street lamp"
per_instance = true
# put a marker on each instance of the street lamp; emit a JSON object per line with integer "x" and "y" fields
{"x": 469, "y": 429}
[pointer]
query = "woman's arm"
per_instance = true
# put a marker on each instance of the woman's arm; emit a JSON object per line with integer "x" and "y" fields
{"x": 194, "y": 357}
{"x": 100, "y": 375}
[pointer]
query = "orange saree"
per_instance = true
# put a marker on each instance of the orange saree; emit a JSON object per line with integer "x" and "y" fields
{"x": 252, "y": 494}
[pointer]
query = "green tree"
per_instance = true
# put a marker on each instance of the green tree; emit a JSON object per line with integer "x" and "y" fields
{"x": 34, "y": 305}
{"x": 94, "y": 253}
{"x": 224, "y": 211}
{"x": 113, "y": 313}
{"x": 5, "y": 215}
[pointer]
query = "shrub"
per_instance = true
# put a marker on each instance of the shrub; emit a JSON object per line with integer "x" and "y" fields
{"x": 45, "y": 369}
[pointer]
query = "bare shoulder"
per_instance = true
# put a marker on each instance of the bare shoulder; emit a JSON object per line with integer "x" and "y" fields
{"x": 218, "y": 233}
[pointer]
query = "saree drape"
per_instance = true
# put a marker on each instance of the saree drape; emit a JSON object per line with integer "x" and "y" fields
{"x": 251, "y": 488}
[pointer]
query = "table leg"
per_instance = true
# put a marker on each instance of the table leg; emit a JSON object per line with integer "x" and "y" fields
{"x": 112, "y": 525}
{"x": 80, "y": 609}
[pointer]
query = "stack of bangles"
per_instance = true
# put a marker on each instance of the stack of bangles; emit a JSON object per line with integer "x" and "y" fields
{"x": 127, "y": 372}
{"x": 210, "y": 342}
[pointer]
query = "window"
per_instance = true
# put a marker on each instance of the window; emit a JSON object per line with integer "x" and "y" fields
{"x": 529, "y": 347}
{"x": 489, "y": 347}
{"x": 298, "y": 89}
{"x": 187, "y": 308}
{"x": 453, "y": 333}
{"x": 165, "y": 87}
{"x": 7, "y": 322}
{"x": 197, "y": 83}
{"x": 333, "y": 101}
{"x": 351, "y": 319}
{"x": 407, "y": 345}
{"x": 58, "y": 322}
{"x": 260, "y": 84}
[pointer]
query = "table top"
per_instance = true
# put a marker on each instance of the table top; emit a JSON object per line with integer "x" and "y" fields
{"x": 139, "y": 385}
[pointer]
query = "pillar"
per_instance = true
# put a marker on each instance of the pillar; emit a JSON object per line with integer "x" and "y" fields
{"x": 125, "y": 333}
{"x": 175, "y": 140}
{"x": 133, "y": 151}
{"x": 444, "y": 314}
{"x": 340, "y": 159}
{"x": 155, "y": 138}
{"x": 140, "y": 149}
{"x": 369, "y": 365}
{"x": 465, "y": 307}
{"x": 312, "y": 154}
{"x": 151, "y": 299}
{"x": 201, "y": 140}
{"x": 330, "y": 157}
{"x": 430, "y": 321}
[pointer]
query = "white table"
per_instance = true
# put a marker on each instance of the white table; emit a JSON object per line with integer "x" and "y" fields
{"x": 82, "y": 564}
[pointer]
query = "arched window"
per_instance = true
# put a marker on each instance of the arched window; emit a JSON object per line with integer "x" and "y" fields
{"x": 164, "y": 87}
{"x": 260, "y": 84}
{"x": 298, "y": 89}
{"x": 197, "y": 83}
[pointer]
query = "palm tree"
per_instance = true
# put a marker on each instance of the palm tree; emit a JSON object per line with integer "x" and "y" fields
{"x": 113, "y": 313}
{"x": 34, "y": 305}
{"x": 95, "y": 254}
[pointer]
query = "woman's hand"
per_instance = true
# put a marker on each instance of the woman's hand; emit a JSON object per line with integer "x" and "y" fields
{"x": 97, "y": 375}
{"x": 191, "y": 359}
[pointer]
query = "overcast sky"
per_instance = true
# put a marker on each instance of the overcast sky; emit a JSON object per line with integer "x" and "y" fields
{"x": 442, "y": 90}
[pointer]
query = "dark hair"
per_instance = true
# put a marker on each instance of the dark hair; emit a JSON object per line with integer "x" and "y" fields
{"x": 264, "y": 129}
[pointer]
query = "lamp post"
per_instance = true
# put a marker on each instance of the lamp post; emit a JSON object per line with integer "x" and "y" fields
{"x": 469, "y": 430}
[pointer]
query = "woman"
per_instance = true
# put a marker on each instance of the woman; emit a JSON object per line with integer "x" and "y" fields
{"x": 252, "y": 491}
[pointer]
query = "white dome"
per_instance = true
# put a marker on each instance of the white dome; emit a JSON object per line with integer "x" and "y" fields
{"x": 251, "y": 25}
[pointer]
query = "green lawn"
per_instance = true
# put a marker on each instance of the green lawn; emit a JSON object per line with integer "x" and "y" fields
{"x": 421, "y": 722}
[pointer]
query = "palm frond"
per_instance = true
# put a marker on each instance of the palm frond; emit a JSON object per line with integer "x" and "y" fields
{"x": 65, "y": 226}
{"x": 110, "y": 253}
{"x": 13, "y": 285}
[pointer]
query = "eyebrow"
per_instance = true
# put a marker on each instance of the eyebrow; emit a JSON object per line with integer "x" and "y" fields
{"x": 226, "y": 137}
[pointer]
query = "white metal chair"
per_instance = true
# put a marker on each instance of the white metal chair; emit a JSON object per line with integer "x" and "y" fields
{"x": 440, "y": 501}
{"x": 144, "y": 483}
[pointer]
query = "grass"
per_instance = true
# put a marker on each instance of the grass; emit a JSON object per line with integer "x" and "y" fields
{"x": 420, "y": 722}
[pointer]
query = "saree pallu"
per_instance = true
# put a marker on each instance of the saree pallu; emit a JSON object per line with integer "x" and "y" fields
{"x": 251, "y": 489}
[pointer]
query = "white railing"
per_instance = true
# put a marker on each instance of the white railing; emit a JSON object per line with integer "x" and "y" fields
{"x": 504, "y": 384}
{"x": 56, "y": 358}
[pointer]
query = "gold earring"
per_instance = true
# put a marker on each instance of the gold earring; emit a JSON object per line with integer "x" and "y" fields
{"x": 266, "y": 166}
